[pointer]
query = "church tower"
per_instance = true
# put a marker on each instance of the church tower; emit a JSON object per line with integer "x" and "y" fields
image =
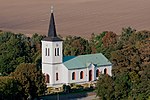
{"x": 52, "y": 45}
{"x": 51, "y": 52}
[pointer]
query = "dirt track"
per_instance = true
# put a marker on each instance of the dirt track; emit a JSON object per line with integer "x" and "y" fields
{"x": 74, "y": 17}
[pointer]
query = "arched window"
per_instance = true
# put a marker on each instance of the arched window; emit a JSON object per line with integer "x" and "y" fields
{"x": 81, "y": 75}
{"x": 56, "y": 76}
{"x": 105, "y": 71}
{"x": 97, "y": 72}
{"x": 47, "y": 78}
{"x": 73, "y": 76}
{"x": 90, "y": 75}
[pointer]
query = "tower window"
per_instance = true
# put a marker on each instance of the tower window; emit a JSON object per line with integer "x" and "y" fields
{"x": 45, "y": 51}
{"x": 48, "y": 51}
{"x": 56, "y": 51}
{"x": 73, "y": 76}
{"x": 56, "y": 76}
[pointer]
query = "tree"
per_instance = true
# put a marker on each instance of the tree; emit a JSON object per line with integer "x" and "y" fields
{"x": 131, "y": 66}
{"x": 126, "y": 33}
{"x": 103, "y": 43}
{"x": 9, "y": 89}
{"x": 97, "y": 41}
{"x": 110, "y": 38}
{"x": 14, "y": 50}
{"x": 76, "y": 46}
{"x": 66, "y": 88}
{"x": 31, "y": 80}
{"x": 122, "y": 86}
{"x": 104, "y": 87}
{"x": 36, "y": 41}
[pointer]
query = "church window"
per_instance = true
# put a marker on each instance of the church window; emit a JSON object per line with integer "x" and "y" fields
{"x": 56, "y": 51}
{"x": 45, "y": 51}
{"x": 73, "y": 76}
{"x": 81, "y": 75}
{"x": 97, "y": 72}
{"x": 47, "y": 78}
{"x": 56, "y": 76}
{"x": 105, "y": 71}
{"x": 48, "y": 51}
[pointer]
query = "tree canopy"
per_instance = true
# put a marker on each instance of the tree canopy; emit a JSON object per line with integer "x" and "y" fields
{"x": 16, "y": 49}
{"x": 131, "y": 66}
{"x": 129, "y": 53}
{"x": 76, "y": 46}
{"x": 30, "y": 79}
{"x": 9, "y": 88}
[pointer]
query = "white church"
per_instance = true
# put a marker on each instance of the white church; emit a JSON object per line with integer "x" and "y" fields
{"x": 59, "y": 70}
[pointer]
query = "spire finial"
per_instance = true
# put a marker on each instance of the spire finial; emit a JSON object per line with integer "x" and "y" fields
{"x": 52, "y": 9}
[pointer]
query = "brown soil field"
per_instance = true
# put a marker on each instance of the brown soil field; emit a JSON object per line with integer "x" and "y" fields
{"x": 74, "y": 17}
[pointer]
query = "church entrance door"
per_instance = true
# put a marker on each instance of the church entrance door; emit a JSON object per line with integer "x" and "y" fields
{"x": 90, "y": 75}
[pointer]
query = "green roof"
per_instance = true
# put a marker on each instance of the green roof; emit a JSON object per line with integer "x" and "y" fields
{"x": 83, "y": 61}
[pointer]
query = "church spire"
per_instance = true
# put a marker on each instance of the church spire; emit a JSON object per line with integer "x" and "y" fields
{"x": 52, "y": 36}
{"x": 52, "y": 29}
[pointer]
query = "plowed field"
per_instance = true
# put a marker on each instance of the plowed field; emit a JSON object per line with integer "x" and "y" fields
{"x": 74, "y": 17}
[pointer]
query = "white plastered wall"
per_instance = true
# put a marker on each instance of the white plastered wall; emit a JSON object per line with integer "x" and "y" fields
{"x": 77, "y": 76}
{"x": 109, "y": 69}
{"x": 51, "y": 58}
{"x": 62, "y": 74}
{"x": 51, "y": 70}
{"x": 86, "y": 73}
{"x": 48, "y": 69}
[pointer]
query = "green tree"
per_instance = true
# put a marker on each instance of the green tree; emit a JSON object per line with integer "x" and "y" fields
{"x": 126, "y": 33}
{"x": 104, "y": 43}
{"x": 31, "y": 80}
{"x": 122, "y": 86}
{"x": 76, "y": 46}
{"x": 36, "y": 42}
{"x": 104, "y": 87}
{"x": 9, "y": 89}
{"x": 14, "y": 50}
{"x": 97, "y": 41}
{"x": 131, "y": 65}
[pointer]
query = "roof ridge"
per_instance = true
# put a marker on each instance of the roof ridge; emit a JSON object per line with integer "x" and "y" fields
{"x": 91, "y": 54}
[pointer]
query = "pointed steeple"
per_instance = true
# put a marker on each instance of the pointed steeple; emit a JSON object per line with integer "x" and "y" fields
{"x": 52, "y": 29}
{"x": 52, "y": 35}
